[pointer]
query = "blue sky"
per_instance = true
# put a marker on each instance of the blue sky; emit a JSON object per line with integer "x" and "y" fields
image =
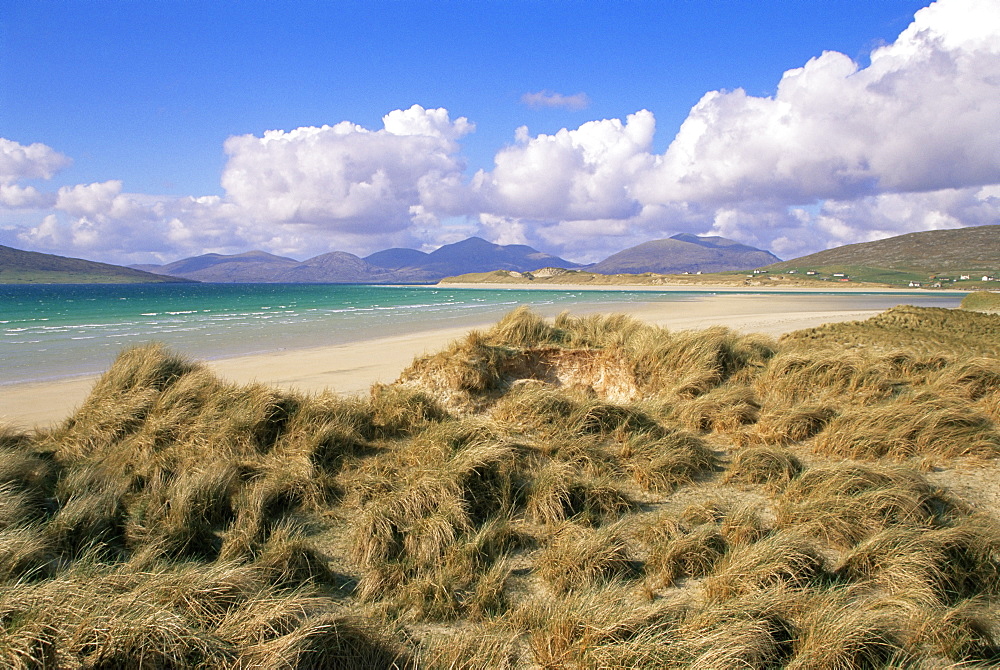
{"x": 131, "y": 106}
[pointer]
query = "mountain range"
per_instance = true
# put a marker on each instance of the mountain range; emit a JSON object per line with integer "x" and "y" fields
{"x": 390, "y": 266}
{"x": 966, "y": 248}
{"x": 681, "y": 253}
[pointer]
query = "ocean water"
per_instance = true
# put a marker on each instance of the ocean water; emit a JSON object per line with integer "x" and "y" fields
{"x": 53, "y": 331}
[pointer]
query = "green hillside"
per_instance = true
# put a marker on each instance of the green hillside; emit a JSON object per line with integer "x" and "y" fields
{"x": 32, "y": 267}
{"x": 973, "y": 248}
{"x": 957, "y": 258}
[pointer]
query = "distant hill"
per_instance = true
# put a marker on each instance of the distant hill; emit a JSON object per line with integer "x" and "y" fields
{"x": 396, "y": 258}
{"x": 973, "y": 248}
{"x": 383, "y": 267}
{"x": 32, "y": 267}
{"x": 477, "y": 255}
{"x": 225, "y": 268}
{"x": 336, "y": 267}
{"x": 685, "y": 253}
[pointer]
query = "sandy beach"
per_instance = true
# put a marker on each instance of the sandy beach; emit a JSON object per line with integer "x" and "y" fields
{"x": 354, "y": 367}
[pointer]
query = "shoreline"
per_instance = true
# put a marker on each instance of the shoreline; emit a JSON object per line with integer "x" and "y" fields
{"x": 714, "y": 288}
{"x": 352, "y": 367}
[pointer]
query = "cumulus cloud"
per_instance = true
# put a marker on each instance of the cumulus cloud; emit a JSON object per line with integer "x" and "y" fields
{"x": 19, "y": 162}
{"x": 572, "y": 174}
{"x": 921, "y": 117}
{"x": 345, "y": 177}
{"x": 542, "y": 99}
{"x": 13, "y": 196}
{"x": 33, "y": 161}
{"x": 98, "y": 221}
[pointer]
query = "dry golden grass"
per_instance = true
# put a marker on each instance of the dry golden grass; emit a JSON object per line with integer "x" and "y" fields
{"x": 587, "y": 492}
{"x": 982, "y": 301}
{"x": 920, "y": 331}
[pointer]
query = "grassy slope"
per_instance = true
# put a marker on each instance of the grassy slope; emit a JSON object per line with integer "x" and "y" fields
{"x": 976, "y": 247}
{"x": 589, "y": 493}
{"x": 687, "y": 253}
{"x": 31, "y": 267}
{"x": 983, "y": 301}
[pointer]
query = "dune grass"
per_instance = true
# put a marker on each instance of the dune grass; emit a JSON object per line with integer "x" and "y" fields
{"x": 982, "y": 301}
{"x": 584, "y": 492}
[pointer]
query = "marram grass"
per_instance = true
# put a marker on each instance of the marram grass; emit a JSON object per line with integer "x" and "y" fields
{"x": 586, "y": 492}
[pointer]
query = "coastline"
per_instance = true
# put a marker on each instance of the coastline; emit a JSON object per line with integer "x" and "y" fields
{"x": 684, "y": 288}
{"x": 352, "y": 367}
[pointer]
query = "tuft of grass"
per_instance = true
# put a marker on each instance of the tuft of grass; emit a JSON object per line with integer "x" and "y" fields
{"x": 331, "y": 641}
{"x": 557, "y": 493}
{"x": 724, "y": 409}
{"x": 967, "y": 634}
{"x": 910, "y": 425}
{"x": 482, "y": 647}
{"x": 398, "y": 411}
{"x": 473, "y": 366}
{"x": 783, "y": 560}
{"x": 794, "y": 376}
{"x": 785, "y": 425}
{"x": 578, "y": 558}
{"x": 691, "y": 554}
{"x": 843, "y": 630}
{"x": 971, "y": 379}
{"x": 25, "y": 554}
{"x": 693, "y": 363}
{"x": 522, "y": 328}
{"x": 665, "y": 460}
{"x": 767, "y": 468}
{"x": 598, "y": 627}
{"x": 845, "y": 504}
{"x": 757, "y": 630}
{"x": 743, "y": 524}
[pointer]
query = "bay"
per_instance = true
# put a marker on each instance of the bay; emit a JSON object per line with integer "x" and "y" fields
{"x": 50, "y": 331}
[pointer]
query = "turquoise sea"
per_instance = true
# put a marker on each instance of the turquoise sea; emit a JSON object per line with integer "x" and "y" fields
{"x": 57, "y": 330}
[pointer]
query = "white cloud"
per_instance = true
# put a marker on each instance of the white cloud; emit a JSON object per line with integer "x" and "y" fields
{"x": 101, "y": 198}
{"x": 13, "y": 196}
{"x": 346, "y": 178}
{"x": 98, "y": 221}
{"x": 573, "y": 174}
{"x": 426, "y": 122}
{"x": 550, "y": 99}
{"x": 921, "y": 117}
{"x": 892, "y": 214}
{"x": 19, "y": 162}
{"x": 32, "y": 161}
